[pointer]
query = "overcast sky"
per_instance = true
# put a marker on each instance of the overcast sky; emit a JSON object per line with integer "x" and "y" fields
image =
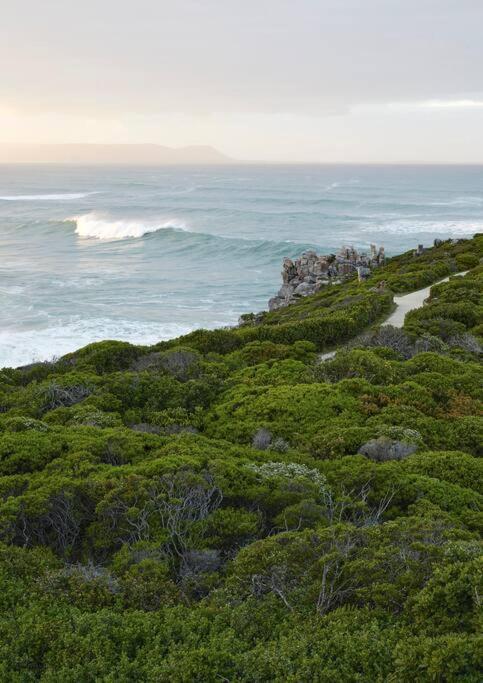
{"x": 281, "y": 80}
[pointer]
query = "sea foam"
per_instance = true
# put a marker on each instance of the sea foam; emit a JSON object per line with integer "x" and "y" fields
{"x": 457, "y": 228}
{"x": 45, "y": 197}
{"x": 460, "y": 201}
{"x": 93, "y": 225}
{"x": 18, "y": 347}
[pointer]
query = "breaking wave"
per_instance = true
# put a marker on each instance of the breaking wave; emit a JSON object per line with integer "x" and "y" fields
{"x": 177, "y": 238}
{"x": 98, "y": 227}
{"x": 45, "y": 197}
{"x": 18, "y": 347}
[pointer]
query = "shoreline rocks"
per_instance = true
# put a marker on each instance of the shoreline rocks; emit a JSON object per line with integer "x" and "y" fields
{"x": 311, "y": 272}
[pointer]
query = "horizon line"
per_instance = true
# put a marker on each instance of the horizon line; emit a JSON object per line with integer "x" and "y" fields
{"x": 244, "y": 162}
{"x": 136, "y": 154}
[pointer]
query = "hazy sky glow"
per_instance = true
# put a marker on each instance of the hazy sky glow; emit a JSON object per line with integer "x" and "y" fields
{"x": 312, "y": 80}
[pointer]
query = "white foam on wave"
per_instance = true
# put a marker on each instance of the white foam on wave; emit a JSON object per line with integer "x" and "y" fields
{"x": 20, "y": 347}
{"x": 341, "y": 183}
{"x": 414, "y": 227}
{"x": 45, "y": 197}
{"x": 95, "y": 226}
{"x": 460, "y": 201}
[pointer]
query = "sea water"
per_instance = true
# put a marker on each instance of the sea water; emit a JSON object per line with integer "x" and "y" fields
{"x": 145, "y": 254}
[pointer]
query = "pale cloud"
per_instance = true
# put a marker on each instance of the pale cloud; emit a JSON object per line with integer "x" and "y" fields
{"x": 431, "y": 105}
{"x": 452, "y": 104}
{"x": 271, "y": 79}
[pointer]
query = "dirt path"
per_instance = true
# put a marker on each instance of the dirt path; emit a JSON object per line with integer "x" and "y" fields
{"x": 404, "y": 304}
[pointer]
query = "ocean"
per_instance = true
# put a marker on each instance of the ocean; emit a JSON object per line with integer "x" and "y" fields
{"x": 145, "y": 254}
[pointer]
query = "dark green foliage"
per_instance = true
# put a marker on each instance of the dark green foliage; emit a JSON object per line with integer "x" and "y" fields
{"x": 227, "y": 506}
{"x": 103, "y": 356}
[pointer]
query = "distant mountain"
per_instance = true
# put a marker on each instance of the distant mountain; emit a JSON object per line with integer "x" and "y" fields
{"x": 111, "y": 154}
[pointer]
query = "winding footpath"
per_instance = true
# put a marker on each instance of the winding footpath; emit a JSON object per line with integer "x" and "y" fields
{"x": 404, "y": 304}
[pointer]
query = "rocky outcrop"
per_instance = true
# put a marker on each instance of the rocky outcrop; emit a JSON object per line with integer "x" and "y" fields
{"x": 309, "y": 273}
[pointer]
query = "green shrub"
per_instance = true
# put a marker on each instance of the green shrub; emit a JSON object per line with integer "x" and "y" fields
{"x": 467, "y": 261}
{"x": 200, "y": 510}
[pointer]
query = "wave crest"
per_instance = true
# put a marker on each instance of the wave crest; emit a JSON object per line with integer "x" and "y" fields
{"x": 92, "y": 225}
{"x": 414, "y": 227}
{"x": 460, "y": 201}
{"x": 45, "y": 197}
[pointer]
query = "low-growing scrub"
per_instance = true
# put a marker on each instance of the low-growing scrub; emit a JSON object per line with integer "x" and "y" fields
{"x": 228, "y": 506}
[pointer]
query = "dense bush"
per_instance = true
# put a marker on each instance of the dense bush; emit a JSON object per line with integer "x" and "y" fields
{"x": 227, "y": 506}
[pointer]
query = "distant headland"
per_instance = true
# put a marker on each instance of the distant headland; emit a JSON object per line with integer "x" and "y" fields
{"x": 142, "y": 154}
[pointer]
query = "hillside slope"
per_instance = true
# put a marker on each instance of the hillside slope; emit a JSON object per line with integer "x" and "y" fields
{"x": 225, "y": 507}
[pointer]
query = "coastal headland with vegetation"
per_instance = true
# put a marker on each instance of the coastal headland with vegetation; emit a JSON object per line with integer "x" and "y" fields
{"x": 231, "y": 506}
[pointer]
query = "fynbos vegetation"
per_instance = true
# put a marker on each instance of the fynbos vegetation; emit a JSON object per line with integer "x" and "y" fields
{"x": 228, "y": 507}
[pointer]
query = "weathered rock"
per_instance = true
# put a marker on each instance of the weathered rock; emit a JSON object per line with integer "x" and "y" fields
{"x": 320, "y": 284}
{"x": 310, "y": 278}
{"x": 275, "y": 303}
{"x": 304, "y": 289}
{"x": 289, "y": 270}
{"x": 286, "y": 291}
{"x": 309, "y": 273}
